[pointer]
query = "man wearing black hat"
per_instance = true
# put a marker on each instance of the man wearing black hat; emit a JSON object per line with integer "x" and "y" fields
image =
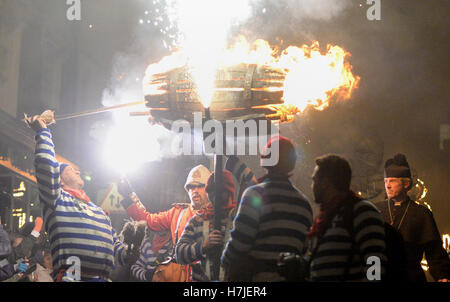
{"x": 414, "y": 222}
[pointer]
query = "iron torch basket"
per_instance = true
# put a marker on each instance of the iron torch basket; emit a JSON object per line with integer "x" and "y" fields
{"x": 241, "y": 92}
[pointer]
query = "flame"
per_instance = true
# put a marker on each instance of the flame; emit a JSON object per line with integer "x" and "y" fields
{"x": 424, "y": 264}
{"x": 446, "y": 242}
{"x": 311, "y": 78}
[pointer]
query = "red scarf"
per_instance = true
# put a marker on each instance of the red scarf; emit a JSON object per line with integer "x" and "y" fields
{"x": 327, "y": 212}
{"x": 207, "y": 212}
{"x": 80, "y": 194}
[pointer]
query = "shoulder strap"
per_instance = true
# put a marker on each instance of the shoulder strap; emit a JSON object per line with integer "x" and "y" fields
{"x": 178, "y": 223}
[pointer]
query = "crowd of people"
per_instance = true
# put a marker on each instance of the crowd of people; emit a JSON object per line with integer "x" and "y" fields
{"x": 266, "y": 234}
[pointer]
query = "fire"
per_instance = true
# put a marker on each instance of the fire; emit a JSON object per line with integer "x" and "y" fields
{"x": 311, "y": 78}
{"x": 446, "y": 242}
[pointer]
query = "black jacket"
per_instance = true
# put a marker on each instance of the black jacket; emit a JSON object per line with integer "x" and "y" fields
{"x": 420, "y": 235}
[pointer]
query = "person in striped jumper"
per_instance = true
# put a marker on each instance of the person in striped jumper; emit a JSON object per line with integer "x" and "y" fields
{"x": 76, "y": 226}
{"x": 273, "y": 217}
{"x": 347, "y": 239}
{"x": 156, "y": 246}
{"x": 199, "y": 238}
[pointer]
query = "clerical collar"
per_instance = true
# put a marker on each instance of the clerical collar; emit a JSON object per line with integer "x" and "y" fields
{"x": 399, "y": 203}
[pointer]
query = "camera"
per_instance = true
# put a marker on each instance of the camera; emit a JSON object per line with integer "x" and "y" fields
{"x": 293, "y": 267}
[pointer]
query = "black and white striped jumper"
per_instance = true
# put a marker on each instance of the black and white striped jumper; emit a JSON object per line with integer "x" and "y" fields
{"x": 335, "y": 246}
{"x": 189, "y": 247}
{"x": 273, "y": 217}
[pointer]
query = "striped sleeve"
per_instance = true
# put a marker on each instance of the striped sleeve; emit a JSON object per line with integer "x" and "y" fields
{"x": 47, "y": 168}
{"x": 139, "y": 269}
{"x": 189, "y": 246}
{"x": 369, "y": 233}
{"x": 120, "y": 249}
{"x": 245, "y": 226}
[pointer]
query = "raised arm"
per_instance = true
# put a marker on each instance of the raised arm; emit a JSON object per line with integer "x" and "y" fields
{"x": 47, "y": 168}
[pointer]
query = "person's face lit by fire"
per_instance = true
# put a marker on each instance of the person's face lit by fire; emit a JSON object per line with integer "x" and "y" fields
{"x": 197, "y": 195}
{"x": 71, "y": 179}
{"x": 396, "y": 188}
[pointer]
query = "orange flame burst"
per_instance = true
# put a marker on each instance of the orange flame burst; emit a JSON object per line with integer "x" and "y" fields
{"x": 311, "y": 78}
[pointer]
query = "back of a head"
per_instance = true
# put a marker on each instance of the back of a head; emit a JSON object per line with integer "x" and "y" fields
{"x": 287, "y": 156}
{"x": 336, "y": 169}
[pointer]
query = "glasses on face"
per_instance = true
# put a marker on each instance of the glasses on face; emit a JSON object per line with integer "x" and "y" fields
{"x": 192, "y": 187}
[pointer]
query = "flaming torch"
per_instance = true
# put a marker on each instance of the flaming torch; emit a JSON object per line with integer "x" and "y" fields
{"x": 251, "y": 82}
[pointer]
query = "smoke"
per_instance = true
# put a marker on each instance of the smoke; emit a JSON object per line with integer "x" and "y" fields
{"x": 201, "y": 28}
{"x": 320, "y": 10}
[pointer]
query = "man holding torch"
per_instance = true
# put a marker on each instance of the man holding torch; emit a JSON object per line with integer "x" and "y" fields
{"x": 78, "y": 229}
{"x": 201, "y": 236}
{"x": 173, "y": 220}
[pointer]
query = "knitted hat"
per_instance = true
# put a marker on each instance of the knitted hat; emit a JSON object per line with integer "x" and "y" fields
{"x": 228, "y": 184}
{"x": 397, "y": 167}
{"x": 197, "y": 176}
{"x": 287, "y": 155}
{"x": 62, "y": 166}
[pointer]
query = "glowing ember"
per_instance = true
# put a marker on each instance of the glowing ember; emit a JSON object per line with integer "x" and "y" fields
{"x": 305, "y": 75}
{"x": 446, "y": 242}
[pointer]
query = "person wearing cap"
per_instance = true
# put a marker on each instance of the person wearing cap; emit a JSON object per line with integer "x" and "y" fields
{"x": 273, "y": 217}
{"x": 176, "y": 218}
{"x": 200, "y": 237}
{"x": 76, "y": 226}
{"x": 414, "y": 222}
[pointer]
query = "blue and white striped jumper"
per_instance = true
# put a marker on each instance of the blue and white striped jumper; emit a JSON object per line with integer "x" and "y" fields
{"x": 273, "y": 217}
{"x": 75, "y": 227}
{"x": 145, "y": 266}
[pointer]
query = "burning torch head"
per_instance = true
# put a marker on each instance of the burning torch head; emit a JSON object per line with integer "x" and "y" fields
{"x": 284, "y": 148}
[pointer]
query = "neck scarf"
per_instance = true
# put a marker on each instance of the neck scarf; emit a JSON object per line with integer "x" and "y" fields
{"x": 327, "y": 211}
{"x": 80, "y": 194}
{"x": 207, "y": 212}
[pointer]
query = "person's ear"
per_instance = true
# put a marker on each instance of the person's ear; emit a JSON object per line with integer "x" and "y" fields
{"x": 407, "y": 184}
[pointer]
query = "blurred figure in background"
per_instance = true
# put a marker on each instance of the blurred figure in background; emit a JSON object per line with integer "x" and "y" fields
{"x": 9, "y": 270}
